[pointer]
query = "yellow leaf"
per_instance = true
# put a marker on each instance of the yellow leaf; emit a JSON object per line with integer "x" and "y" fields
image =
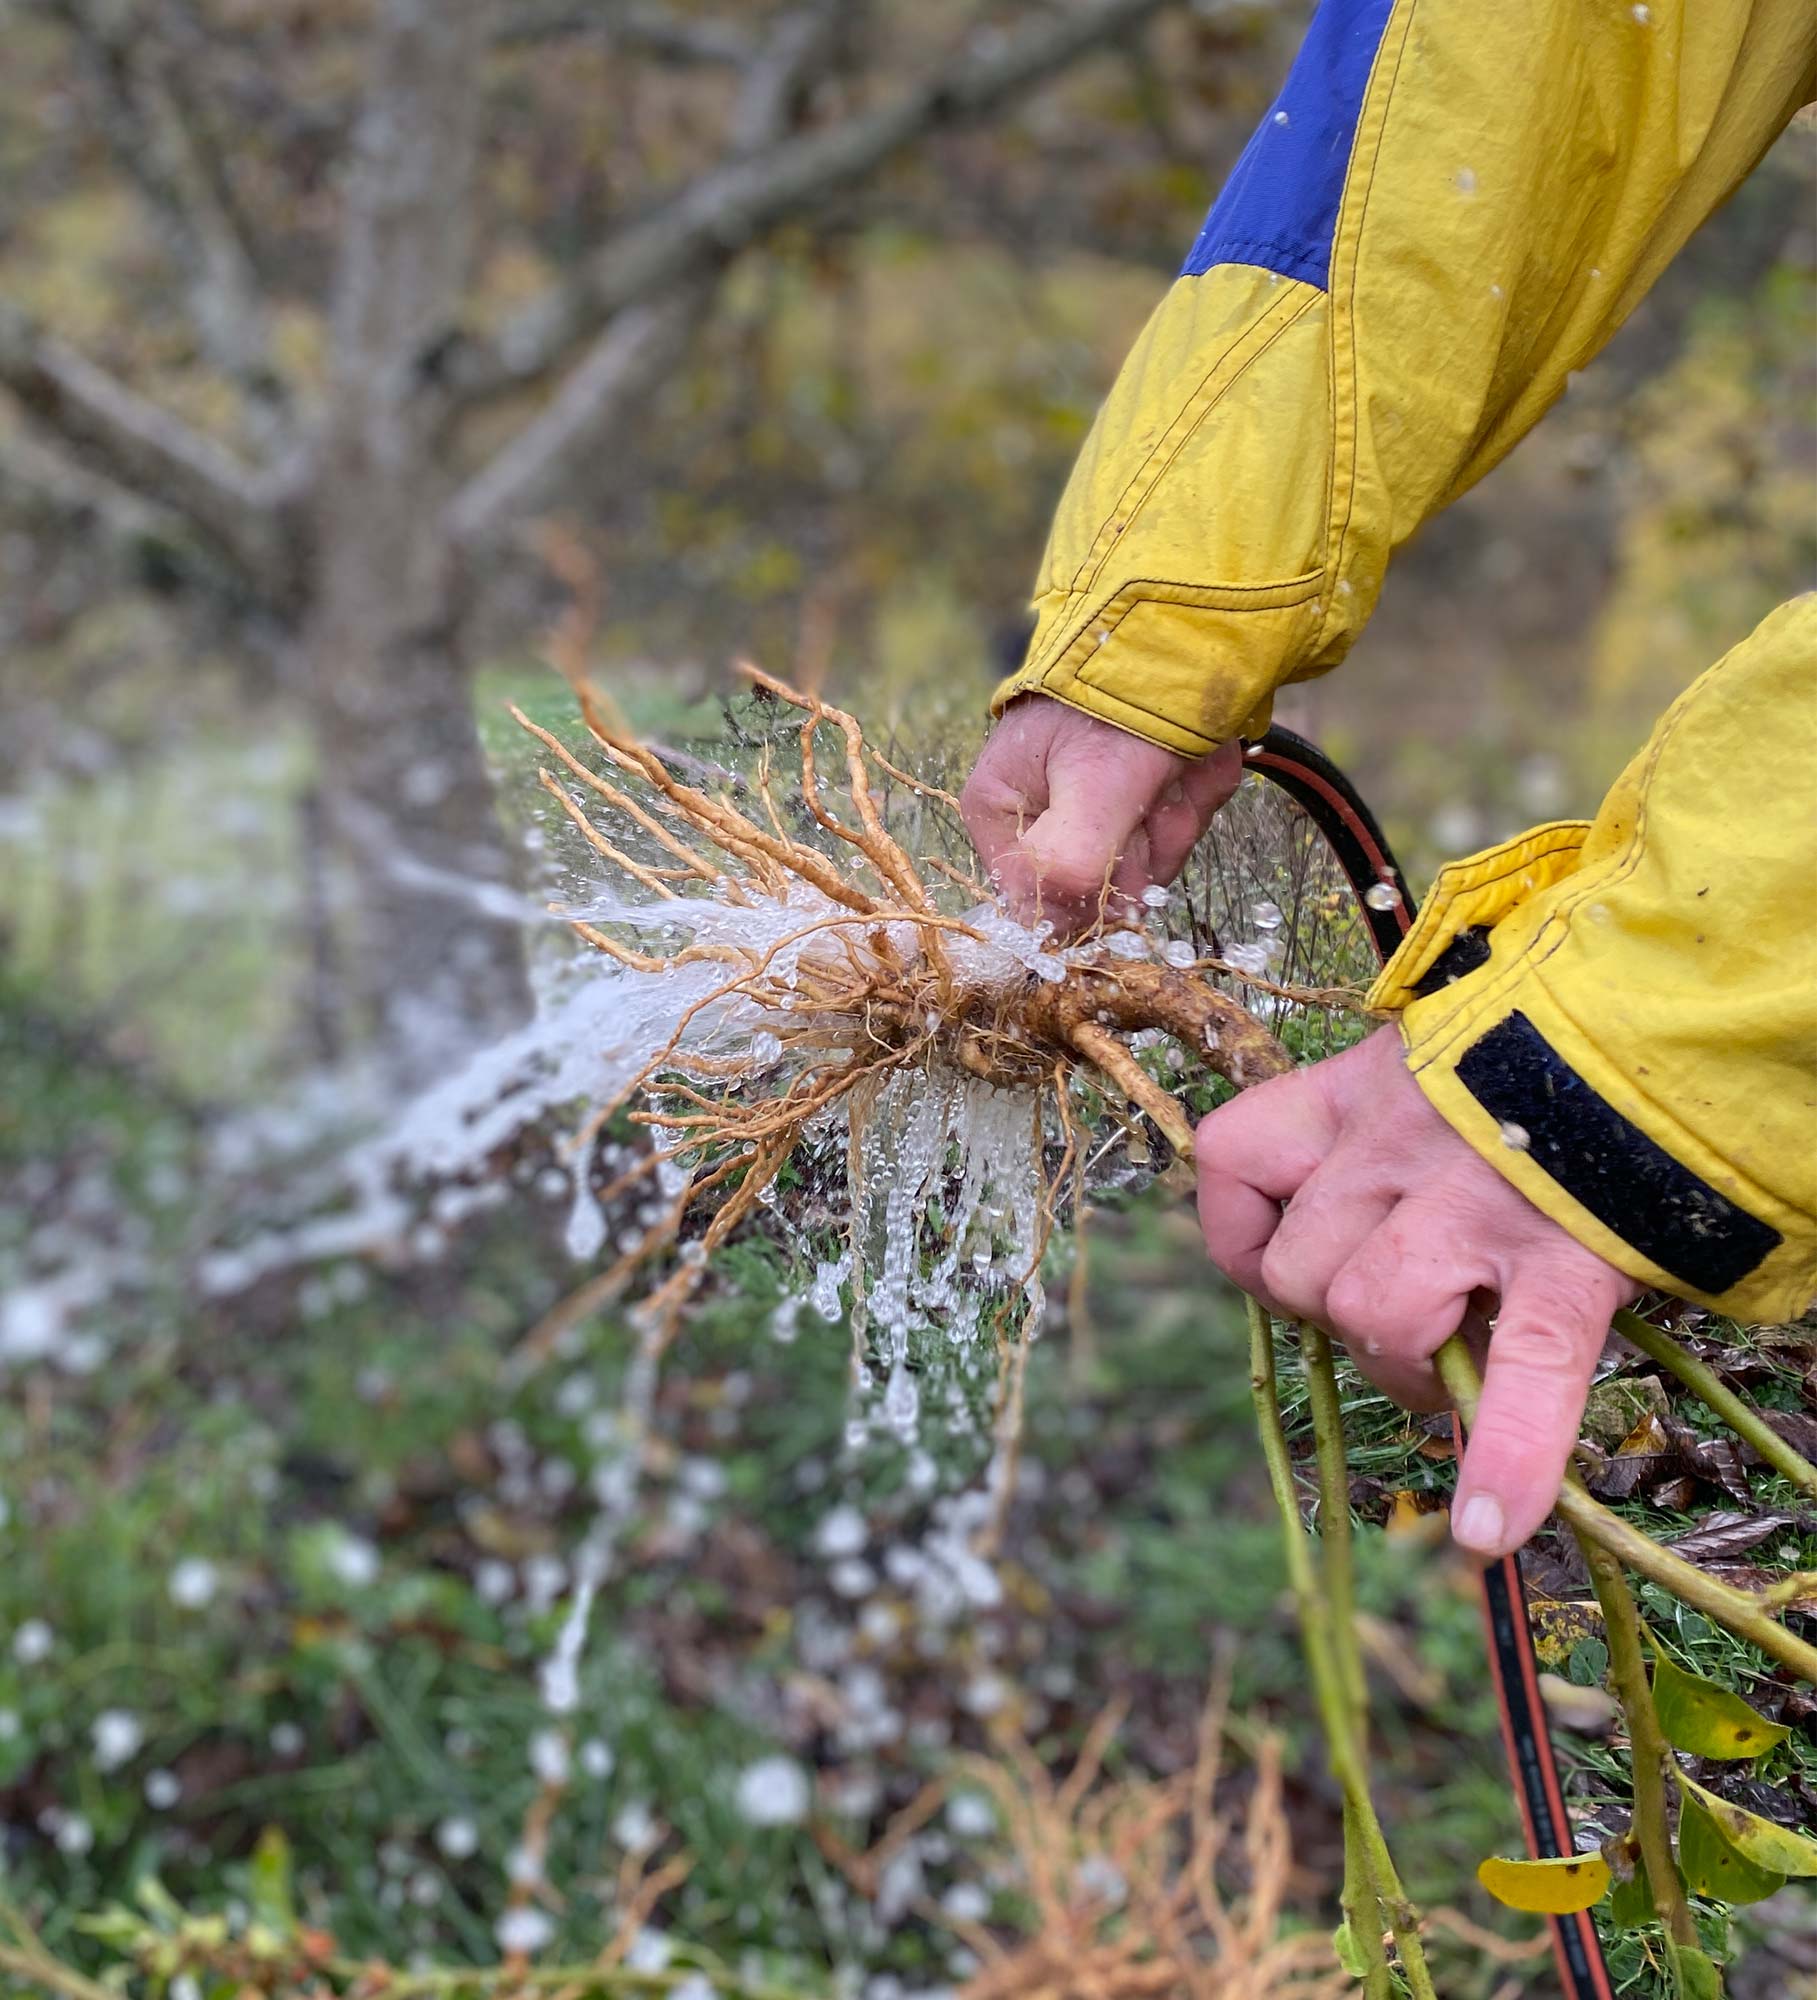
{"x": 1711, "y": 1867}
{"x": 1708, "y": 1720}
{"x": 1411, "y": 1512}
{"x": 1776, "y": 1849}
{"x": 1646, "y": 1440}
{"x": 1559, "y": 1625}
{"x": 1571, "y": 1882}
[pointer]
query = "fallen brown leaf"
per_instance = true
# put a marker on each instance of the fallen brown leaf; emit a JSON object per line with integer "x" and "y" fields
{"x": 1722, "y": 1536}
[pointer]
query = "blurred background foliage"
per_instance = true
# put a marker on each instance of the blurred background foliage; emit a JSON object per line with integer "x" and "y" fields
{"x": 832, "y": 443}
{"x": 845, "y": 469}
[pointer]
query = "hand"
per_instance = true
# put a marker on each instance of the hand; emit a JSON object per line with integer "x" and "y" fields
{"x": 1072, "y": 814}
{"x": 1393, "y": 1226}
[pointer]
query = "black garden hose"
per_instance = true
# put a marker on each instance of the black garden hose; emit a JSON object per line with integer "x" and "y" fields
{"x": 1329, "y": 799}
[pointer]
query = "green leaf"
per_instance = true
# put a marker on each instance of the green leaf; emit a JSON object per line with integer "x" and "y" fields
{"x": 116, "y": 1926}
{"x": 268, "y": 1879}
{"x": 157, "y": 1901}
{"x": 1568, "y": 1882}
{"x": 1349, "y": 1952}
{"x": 1588, "y": 1663}
{"x": 1774, "y": 1848}
{"x": 1707, "y": 1720}
{"x": 1712, "y": 1867}
{"x": 1694, "y": 1973}
{"x": 1631, "y": 1903}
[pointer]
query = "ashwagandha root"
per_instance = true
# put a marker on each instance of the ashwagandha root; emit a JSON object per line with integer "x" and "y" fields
{"x": 871, "y": 981}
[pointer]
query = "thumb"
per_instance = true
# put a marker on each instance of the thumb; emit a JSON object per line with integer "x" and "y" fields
{"x": 1542, "y": 1354}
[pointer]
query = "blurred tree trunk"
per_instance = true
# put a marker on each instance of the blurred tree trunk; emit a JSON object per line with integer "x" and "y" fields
{"x": 434, "y": 963}
{"x": 350, "y": 516}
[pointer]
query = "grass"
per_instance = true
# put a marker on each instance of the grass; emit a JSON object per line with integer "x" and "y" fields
{"x": 383, "y": 1504}
{"x": 378, "y": 1511}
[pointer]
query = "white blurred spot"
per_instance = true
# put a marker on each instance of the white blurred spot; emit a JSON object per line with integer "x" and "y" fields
{"x": 775, "y": 1791}
{"x": 193, "y": 1583}
{"x": 116, "y": 1735}
{"x": 524, "y": 1930}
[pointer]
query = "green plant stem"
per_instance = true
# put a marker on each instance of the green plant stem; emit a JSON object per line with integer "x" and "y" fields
{"x": 1334, "y": 1706}
{"x": 1362, "y": 1907}
{"x": 1334, "y": 1521}
{"x": 28, "y": 1960}
{"x": 1741, "y": 1417}
{"x": 1737, "y": 1611}
{"x": 1363, "y": 1913}
{"x": 1628, "y": 1676}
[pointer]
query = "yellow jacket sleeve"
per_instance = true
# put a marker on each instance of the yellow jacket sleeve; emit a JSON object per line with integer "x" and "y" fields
{"x": 1622, "y": 1016}
{"x": 1450, "y": 206}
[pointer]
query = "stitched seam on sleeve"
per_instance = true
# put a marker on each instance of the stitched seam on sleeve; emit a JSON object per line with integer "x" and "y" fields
{"x": 1334, "y": 561}
{"x": 1569, "y": 838}
{"x": 1070, "y": 630}
{"x": 1154, "y": 468}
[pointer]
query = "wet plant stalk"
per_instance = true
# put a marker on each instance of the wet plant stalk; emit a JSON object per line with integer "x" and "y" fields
{"x": 1741, "y": 1416}
{"x": 1334, "y": 1521}
{"x": 1362, "y": 1907}
{"x": 1322, "y": 1650}
{"x": 1628, "y": 1676}
{"x": 1737, "y": 1611}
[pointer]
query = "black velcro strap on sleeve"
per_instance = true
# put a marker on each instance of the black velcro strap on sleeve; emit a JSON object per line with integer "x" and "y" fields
{"x": 1626, "y": 1180}
{"x": 1468, "y": 950}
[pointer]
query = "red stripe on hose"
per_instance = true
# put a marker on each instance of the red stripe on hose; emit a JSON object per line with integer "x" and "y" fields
{"x": 1340, "y": 806}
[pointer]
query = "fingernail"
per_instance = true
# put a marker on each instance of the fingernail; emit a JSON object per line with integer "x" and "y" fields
{"x": 1478, "y": 1524}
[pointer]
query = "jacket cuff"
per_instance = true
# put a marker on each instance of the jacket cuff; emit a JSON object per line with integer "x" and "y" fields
{"x": 1481, "y": 988}
{"x": 1139, "y": 659}
{"x": 1450, "y": 936}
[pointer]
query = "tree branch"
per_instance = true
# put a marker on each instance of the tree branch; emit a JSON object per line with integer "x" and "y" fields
{"x": 611, "y": 380}
{"x": 685, "y": 40}
{"x": 159, "y": 140}
{"x": 639, "y": 346}
{"x": 778, "y": 76}
{"x": 131, "y": 441}
{"x": 719, "y": 213}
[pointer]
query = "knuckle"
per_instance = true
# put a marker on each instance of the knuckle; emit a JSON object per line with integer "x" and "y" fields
{"x": 1222, "y": 1143}
{"x": 1544, "y": 1347}
{"x": 1208, "y": 1143}
{"x": 1284, "y": 1274}
{"x": 1070, "y": 880}
{"x": 1357, "y": 1301}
